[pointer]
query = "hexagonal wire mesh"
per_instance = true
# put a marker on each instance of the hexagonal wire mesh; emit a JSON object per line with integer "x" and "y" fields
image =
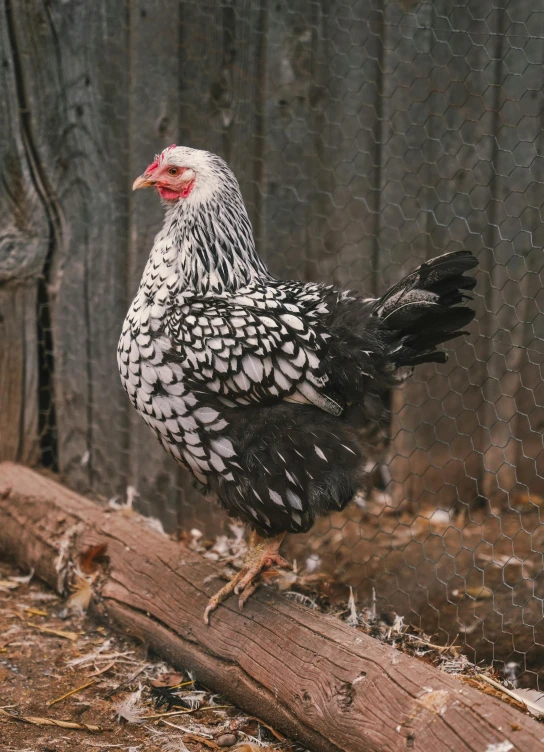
{"x": 367, "y": 137}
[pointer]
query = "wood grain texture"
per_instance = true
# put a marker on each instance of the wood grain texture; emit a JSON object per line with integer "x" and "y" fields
{"x": 204, "y": 115}
{"x": 512, "y": 323}
{"x": 344, "y": 210}
{"x": 401, "y": 240}
{"x": 434, "y": 155}
{"x": 482, "y": 389}
{"x": 25, "y": 237}
{"x": 466, "y": 131}
{"x": 154, "y": 107}
{"x": 290, "y": 148}
{"x": 18, "y": 373}
{"x": 79, "y": 140}
{"x": 244, "y": 44}
{"x": 24, "y": 231}
{"x": 312, "y": 677}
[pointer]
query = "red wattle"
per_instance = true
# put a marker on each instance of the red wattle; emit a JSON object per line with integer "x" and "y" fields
{"x": 168, "y": 194}
{"x": 171, "y": 195}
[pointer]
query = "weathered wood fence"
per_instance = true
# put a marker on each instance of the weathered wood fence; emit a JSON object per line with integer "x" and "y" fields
{"x": 366, "y": 135}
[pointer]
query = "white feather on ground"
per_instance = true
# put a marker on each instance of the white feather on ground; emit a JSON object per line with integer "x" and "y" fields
{"x": 129, "y": 708}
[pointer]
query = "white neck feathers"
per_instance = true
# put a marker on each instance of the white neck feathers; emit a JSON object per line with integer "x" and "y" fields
{"x": 213, "y": 242}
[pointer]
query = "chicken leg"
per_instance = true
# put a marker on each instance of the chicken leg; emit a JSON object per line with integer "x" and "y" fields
{"x": 262, "y": 554}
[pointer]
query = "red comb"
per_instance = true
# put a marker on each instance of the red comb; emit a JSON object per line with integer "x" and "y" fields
{"x": 172, "y": 146}
{"x": 158, "y": 159}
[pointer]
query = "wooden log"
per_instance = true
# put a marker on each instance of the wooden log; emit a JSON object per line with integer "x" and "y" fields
{"x": 314, "y": 678}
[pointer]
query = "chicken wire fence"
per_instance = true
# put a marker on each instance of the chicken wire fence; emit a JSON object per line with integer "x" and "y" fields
{"x": 367, "y": 137}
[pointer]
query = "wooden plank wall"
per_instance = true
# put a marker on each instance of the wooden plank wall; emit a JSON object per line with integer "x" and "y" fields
{"x": 367, "y": 137}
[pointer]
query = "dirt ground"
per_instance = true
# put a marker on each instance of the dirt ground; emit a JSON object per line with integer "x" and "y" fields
{"x": 122, "y": 697}
{"x": 474, "y": 576}
{"x": 416, "y": 581}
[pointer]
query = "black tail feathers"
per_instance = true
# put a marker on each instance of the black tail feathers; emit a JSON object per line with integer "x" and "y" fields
{"x": 424, "y": 309}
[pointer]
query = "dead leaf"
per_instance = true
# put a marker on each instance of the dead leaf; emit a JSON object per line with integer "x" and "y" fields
{"x": 81, "y": 597}
{"x": 169, "y": 679}
{"x": 38, "y": 721}
{"x": 202, "y": 740}
{"x": 24, "y": 579}
{"x": 479, "y": 593}
{"x": 35, "y": 611}
{"x": 57, "y": 632}
{"x": 8, "y": 585}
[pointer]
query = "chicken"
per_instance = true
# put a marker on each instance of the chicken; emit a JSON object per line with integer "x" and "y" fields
{"x": 263, "y": 388}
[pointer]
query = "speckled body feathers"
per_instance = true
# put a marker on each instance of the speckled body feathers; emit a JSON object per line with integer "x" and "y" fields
{"x": 263, "y": 388}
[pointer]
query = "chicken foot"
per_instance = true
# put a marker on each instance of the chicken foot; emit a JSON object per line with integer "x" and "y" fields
{"x": 262, "y": 554}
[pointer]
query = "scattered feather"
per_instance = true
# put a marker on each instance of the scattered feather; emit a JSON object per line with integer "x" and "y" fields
{"x": 305, "y": 600}
{"x": 129, "y": 708}
{"x": 530, "y": 698}
{"x": 153, "y": 523}
{"x": 132, "y": 495}
{"x": 23, "y": 579}
{"x": 192, "y": 700}
{"x": 313, "y": 563}
{"x": 353, "y": 618}
{"x": 80, "y": 599}
{"x": 166, "y": 741}
{"x": 174, "y": 744}
{"x": 504, "y": 746}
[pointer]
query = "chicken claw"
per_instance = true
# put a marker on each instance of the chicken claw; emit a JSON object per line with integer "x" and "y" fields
{"x": 263, "y": 553}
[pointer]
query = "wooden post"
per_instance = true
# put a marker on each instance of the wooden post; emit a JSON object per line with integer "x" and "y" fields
{"x": 333, "y": 688}
{"x": 64, "y": 204}
{"x": 24, "y": 243}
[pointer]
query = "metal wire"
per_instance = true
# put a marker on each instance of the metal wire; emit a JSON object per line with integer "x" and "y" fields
{"x": 367, "y": 137}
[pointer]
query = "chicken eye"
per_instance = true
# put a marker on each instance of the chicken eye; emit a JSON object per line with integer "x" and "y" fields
{"x": 173, "y": 171}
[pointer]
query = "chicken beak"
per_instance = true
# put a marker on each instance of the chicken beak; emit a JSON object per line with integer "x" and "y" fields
{"x": 142, "y": 182}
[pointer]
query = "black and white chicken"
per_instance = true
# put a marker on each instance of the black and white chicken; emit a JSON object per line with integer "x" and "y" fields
{"x": 261, "y": 387}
